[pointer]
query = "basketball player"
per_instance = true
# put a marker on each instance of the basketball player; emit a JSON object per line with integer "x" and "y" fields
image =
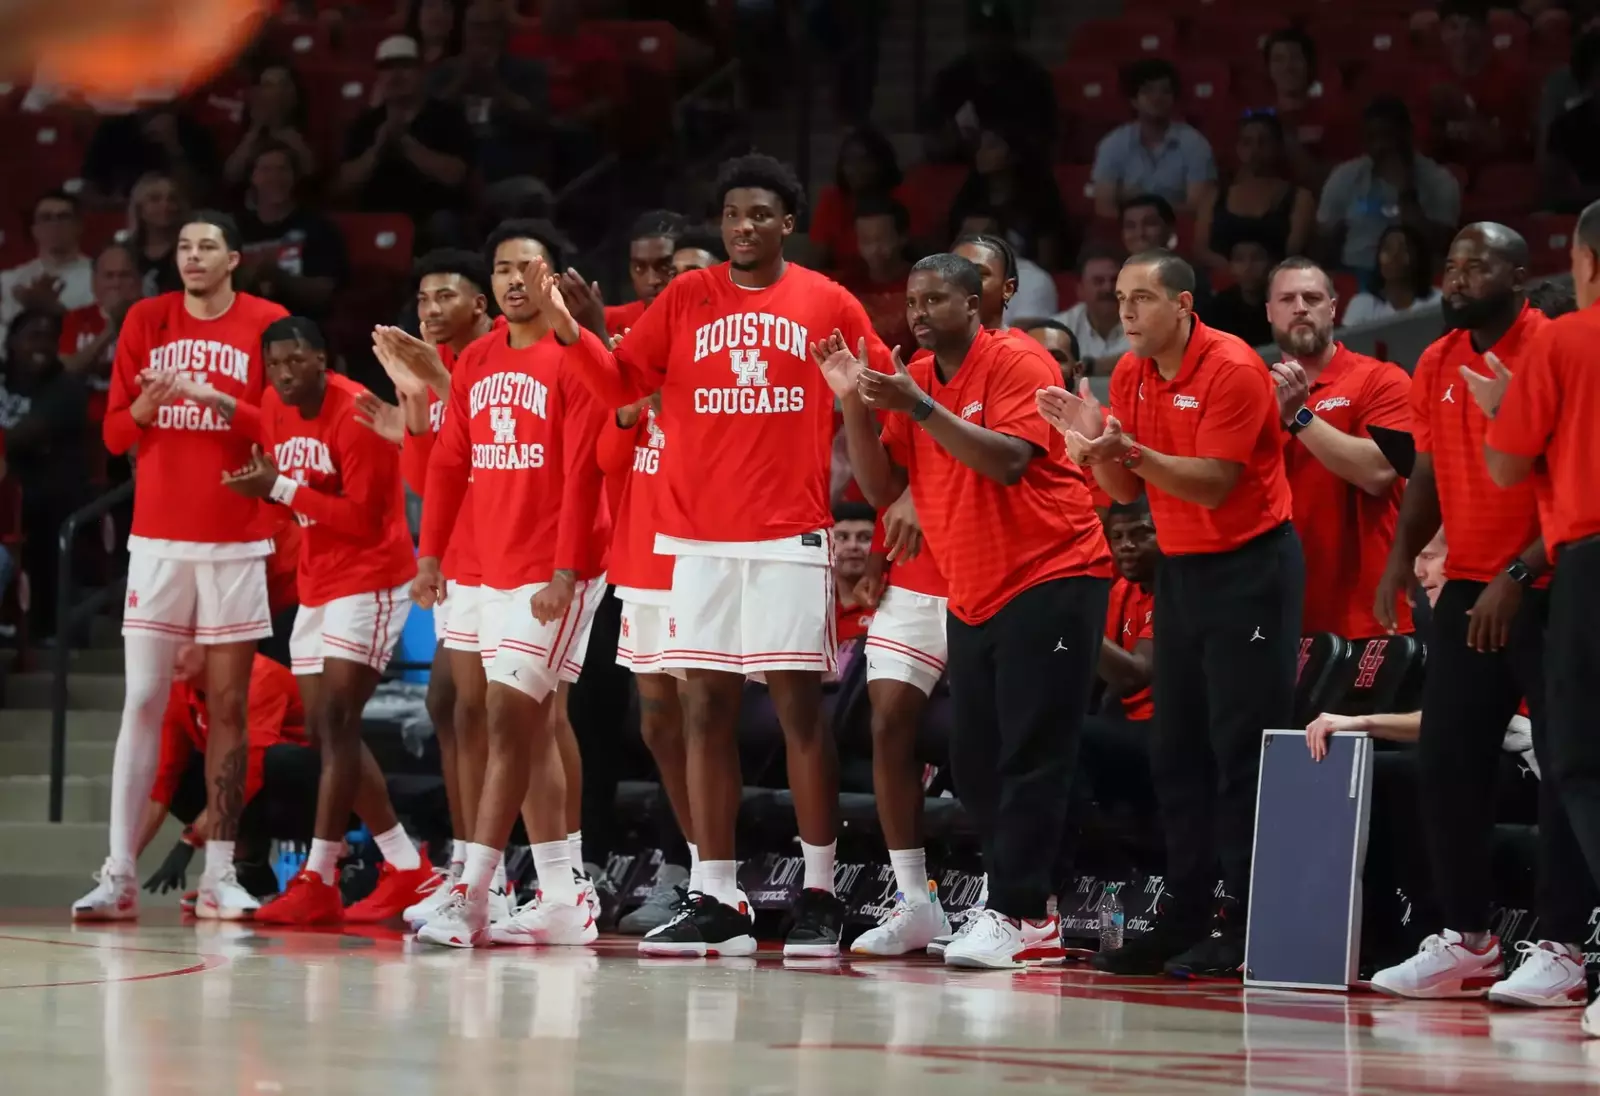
{"x": 651, "y": 246}
{"x": 696, "y": 250}
{"x": 745, "y": 512}
{"x": 525, "y": 431}
{"x": 197, "y": 556}
{"x": 343, "y": 483}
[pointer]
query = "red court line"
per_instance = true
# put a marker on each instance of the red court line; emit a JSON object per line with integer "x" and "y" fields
{"x": 207, "y": 962}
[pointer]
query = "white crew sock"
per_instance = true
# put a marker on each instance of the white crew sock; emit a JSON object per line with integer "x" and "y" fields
{"x": 819, "y": 866}
{"x": 324, "y": 858}
{"x": 458, "y": 851}
{"x": 911, "y": 874}
{"x": 483, "y": 868}
{"x": 553, "y": 861}
{"x": 720, "y": 879}
{"x": 696, "y": 879}
{"x": 397, "y": 849}
{"x": 148, "y": 663}
{"x": 219, "y": 857}
{"x": 575, "y": 848}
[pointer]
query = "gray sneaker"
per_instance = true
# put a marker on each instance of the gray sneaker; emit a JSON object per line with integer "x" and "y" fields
{"x": 659, "y": 908}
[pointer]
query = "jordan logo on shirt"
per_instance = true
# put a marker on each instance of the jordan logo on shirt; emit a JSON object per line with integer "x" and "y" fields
{"x": 1449, "y": 395}
{"x": 1257, "y": 635}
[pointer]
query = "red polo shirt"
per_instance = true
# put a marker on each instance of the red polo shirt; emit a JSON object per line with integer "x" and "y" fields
{"x": 1551, "y": 410}
{"x": 919, "y": 574}
{"x": 1346, "y": 533}
{"x": 992, "y": 541}
{"x": 1485, "y": 527}
{"x": 1221, "y": 405}
{"x": 1129, "y": 618}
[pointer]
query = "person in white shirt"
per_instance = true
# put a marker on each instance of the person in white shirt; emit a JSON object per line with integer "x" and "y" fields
{"x": 61, "y": 277}
{"x": 1095, "y": 321}
{"x": 1403, "y": 283}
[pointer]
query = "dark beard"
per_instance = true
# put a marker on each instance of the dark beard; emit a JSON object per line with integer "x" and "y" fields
{"x": 1318, "y": 342}
{"x": 1476, "y": 313}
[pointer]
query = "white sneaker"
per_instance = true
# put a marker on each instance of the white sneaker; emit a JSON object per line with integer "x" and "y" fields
{"x": 1548, "y": 977}
{"x": 964, "y": 919}
{"x": 500, "y": 907}
{"x": 989, "y": 941}
{"x": 221, "y": 898}
{"x": 417, "y": 914}
{"x": 906, "y": 928}
{"x": 1443, "y": 967}
{"x": 539, "y": 922}
{"x": 114, "y": 898}
{"x": 1591, "y": 1019}
{"x": 462, "y": 923}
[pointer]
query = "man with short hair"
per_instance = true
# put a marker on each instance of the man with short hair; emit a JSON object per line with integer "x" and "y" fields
{"x": 883, "y": 231}
{"x": 853, "y": 524}
{"x": 1479, "y": 97}
{"x": 293, "y": 255}
{"x": 505, "y": 99}
{"x": 1194, "y": 425}
{"x": 1153, "y": 154}
{"x": 651, "y": 246}
{"x": 60, "y": 277}
{"x": 1060, "y": 343}
{"x": 1346, "y": 494}
{"x": 1149, "y": 223}
{"x": 89, "y": 334}
{"x": 1094, "y": 319}
{"x": 1241, "y": 308}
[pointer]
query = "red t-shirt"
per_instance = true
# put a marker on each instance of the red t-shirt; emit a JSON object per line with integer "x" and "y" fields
{"x": 1129, "y": 618}
{"x": 178, "y": 494}
{"x": 850, "y": 621}
{"x": 1551, "y": 410}
{"x": 993, "y": 541}
{"x": 885, "y": 304}
{"x": 919, "y": 574}
{"x": 749, "y": 413}
{"x": 460, "y": 563}
{"x": 581, "y": 68}
{"x": 1485, "y": 527}
{"x": 1220, "y": 405}
{"x": 351, "y": 504}
{"x": 524, "y": 430}
{"x": 79, "y": 328}
{"x": 1346, "y": 533}
{"x": 274, "y": 717}
{"x": 833, "y": 223}
{"x": 632, "y": 456}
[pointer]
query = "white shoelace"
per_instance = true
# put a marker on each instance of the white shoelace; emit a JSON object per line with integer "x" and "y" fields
{"x": 1533, "y": 953}
{"x": 986, "y": 928}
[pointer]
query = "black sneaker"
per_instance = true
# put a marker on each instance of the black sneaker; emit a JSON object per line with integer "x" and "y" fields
{"x": 817, "y": 921}
{"x": 1221, "y": 954}
{"x": 701, "y": 926}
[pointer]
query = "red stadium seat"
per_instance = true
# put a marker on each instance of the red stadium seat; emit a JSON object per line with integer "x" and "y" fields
{"x": 1066, "y": 289}
{"x": 932, "y": 189}
{"x": 1347, "y": 286}
{"x": 1343, "y": 40}
{"x": 1236, "y": 35}
{"x": 1076, "y": 190}
{"x": 16, "y": 243}
{"x": 339, "y": 94}
{"x": 1128, "y": 37}
{"x": 377, "y": 242}
{"x": 1508, "y": 32}
{"x": 100, "y": 227}
{"x": 643, "y": 44}
{"x": 1204, "y": 79}
{"x": 1552, "y": 37}
{"x": 1500, "y": 191}
{"x": 299, "y": 42}
{"x": 1090, "y": 88}
{"x": 1549, "y": 237}
{"x": 45, "y": 151}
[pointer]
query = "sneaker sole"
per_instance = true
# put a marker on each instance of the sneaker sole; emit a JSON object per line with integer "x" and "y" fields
{"x": 1463, "y": 993}
{"x": 216, "y": 913}
{"x": 811, "y": 951}
{"x": 105, "y": 915}
{"x": 857, "y": 949}
{"x": 980, "y": 962}
{"x": 732, "y": 947}
{"x": 476, "y": 940}
{"x": 1518, "y": 1000}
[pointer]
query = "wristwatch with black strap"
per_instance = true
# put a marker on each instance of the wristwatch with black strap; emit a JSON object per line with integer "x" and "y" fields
{"x": 1302, "y": 419}
{"x": 923, "y": 408}
{"x": 1518, "y": 572}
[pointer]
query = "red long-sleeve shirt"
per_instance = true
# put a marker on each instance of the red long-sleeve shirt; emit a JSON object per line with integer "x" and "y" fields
{"x": 460, "y": 563}
{"x": 524, "y": 429}
{"x": 632, "y": 456}
{"x": 178, "y": 494}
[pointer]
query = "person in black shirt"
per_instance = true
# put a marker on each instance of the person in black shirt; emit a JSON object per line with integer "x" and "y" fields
{"x": 1241, "y": 309}
{"x": 292, "y": 255}
{"x": 1572, "y": 156}
{"x": 994, "y": 84}
{"x": 504, "y": 98}
{"x": 161, "y": 139}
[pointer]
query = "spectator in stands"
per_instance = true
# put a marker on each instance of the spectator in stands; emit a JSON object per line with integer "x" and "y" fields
{"x": 1563, "y": 89}
{"x": 1300, "y": 103}
{"x": 1571, "y": 156}
{"x": 1478, "y": 100}
{"x": 410, "y": 153}
{"x": 1403, "y": 281}
{"x": 504, "y": 98}
{"x": 1060, "y": 343}
{"x": 436, "y": 26}
{"x": 867, "y": 170}
{"x": 1154, "y": 153}
{"x": 89, "y": 334}
{"x": 292, "y": 255}
{"x": 277, "y": 106}
{"x": 1033, "y": 292}
{"x": 583, "y": 67}
{"x": 1095, "y": 320}
{"x": 1149, "y": 223}
{"x": 161, "y": 139}
{"x": 1015, "y": 182}
{"x": 1241, "y": 309}
{"x": 1259, "y": 202}
{"x": 156, "y": 210}
{"x": 852, "y": 540}
{"x": 1392, "y": 183}
{"x": 57, "y": 279}
{"x": 993, "y": 84}
{"x": 878, "y": 278}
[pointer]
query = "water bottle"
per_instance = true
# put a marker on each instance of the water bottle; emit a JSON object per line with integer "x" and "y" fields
{"x": 1111, "y": 918}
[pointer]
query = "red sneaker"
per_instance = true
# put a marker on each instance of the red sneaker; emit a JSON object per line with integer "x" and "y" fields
{"x": 396, "y": 891}
{"x": 306, "y": 901}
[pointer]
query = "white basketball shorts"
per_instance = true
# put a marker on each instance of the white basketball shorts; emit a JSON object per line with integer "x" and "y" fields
{"x": 647, "y": 628}
{"x": 455, "y": 622}
{"x": 208, "y": 601}
{"x": 531, "y": 657}
{"x": 362, "y": 628}
{"x": 906, "y": 639}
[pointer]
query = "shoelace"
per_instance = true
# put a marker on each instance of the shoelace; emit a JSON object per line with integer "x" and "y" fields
{"x": 1533, "y": 953}
{"x": 684, "y": 903}
{"x": 986, "y": 926}
{"x": 901, "y": 908}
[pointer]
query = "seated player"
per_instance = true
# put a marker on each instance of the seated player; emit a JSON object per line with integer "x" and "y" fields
{"x": 852, "y": 537}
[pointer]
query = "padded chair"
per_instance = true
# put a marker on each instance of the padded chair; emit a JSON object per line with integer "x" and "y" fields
{"x": 1323, "y": 657}
{"x": 1375, "y": 676}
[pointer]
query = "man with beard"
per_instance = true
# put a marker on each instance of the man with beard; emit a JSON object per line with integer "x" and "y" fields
{"x": 1346, "y": 494}
{"x": 1487, "y": 650}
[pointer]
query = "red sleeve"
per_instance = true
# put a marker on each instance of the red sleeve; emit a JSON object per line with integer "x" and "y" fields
{"x": 583, "y": 482}
{"x": 1421, "y": 406}
{"x": 247, "y": 421}
{"x": 119, "y": 430}
{"x": 1239, "y": 402}
{"x": 369, "y": 470}
{"x": 1527, "y": 415}
{"x": 1009, "y": 404}
{"x": 448, "y": 468}
{"x": 414, "y": 453}
{"x": 176, "y": 749}
{"x": 614, "y": 451}
{"x": 638, "y": 365}
{"x": 855, "y": 325}
{"x": 1387, "y": 400}
{"x": 880, "y": 541}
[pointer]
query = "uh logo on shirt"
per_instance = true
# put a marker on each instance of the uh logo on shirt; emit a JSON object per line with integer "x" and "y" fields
{"x": 751, "y": 340}
{"x": 647, "y": 457}
{"x": 500, "y": 395}
{"x": 308, "y": 462}
{"x": 202, "y": 360}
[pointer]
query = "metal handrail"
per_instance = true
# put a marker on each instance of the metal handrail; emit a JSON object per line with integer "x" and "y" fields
{"x": 68, "y": 618}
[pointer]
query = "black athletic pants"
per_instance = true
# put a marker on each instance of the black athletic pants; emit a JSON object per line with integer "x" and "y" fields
{"x": 598, "y": 709}
{"x": 1019, "y": 684}
{"x": 1572, "y": 677}
{"x": 1467, "y": 700}
{"x": 1227, "y": 646}
{"x": 285, "y": 808}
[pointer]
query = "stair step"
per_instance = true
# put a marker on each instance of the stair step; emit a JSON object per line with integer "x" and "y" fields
{"x": 99, "y": 692}
{"x": 27, "y": 799}
{"x": 50, "y": 865}
{"x": 32, "y": 757}
{"x": 32, "y": 725}
{"x": 97, "y": 660}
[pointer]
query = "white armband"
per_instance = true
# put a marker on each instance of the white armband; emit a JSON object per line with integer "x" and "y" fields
{"x": 283, "y": 490}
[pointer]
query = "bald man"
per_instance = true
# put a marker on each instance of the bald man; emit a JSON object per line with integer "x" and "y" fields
{"x": 1488, "y": 645}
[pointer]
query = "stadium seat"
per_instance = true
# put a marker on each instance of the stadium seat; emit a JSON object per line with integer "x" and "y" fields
{"x": 100, "y": 227}
{"x": 1076, "y": 190}
{"x": 1322, "y": 660}
{"x": 379, "y": 242}
{"x": 299, "y": 42}
{"x": 1236, "y": 34}
{"x": 16, "y": 244}
{"x": 1549, "y": 237}
{"x": 1347, "y": 286}
{"x": 340, "y": 93}
{"x": 1066, "y": 289}
{"x": 1500, "y": 190}
{"x": 1205, "y": 79}
{"x": 1509, "y": 32}
{"x": 1374, "y": 677}
{"x": 46, "y": 151}
{"x": 1129, "y": 37}
{"x": 1341, "y": 40}
{"x": 933, "y": 188}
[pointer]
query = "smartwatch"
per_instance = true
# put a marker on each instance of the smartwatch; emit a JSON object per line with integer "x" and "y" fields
{"x": 1302, "y": 419}
{"x": 1518, "y": 572}
{"x": 923, "y": 409}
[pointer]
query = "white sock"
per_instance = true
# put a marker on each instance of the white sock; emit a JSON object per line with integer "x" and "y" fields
{"x": 553, "y": 861}
{"x": 695, "y": 875}
{"x": 148, "y": 663}
{"x": 398, "y": 849}
{"x": 481, "y": 867}
{"x": 720, "y": 879}
{"x": 219, "y": 857}
{"x": 324, "y": 858}
{"x": 575, "y": 848}
{"x": 819, "y": 866}
{"x": 458, "y": 852}
{"x": 911, "y": 874}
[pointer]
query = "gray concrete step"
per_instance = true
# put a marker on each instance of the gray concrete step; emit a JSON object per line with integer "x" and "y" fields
{"x": 27, "y": 799}
{"x": 45, "y": 866}
{"x": 99, "y": 692}
{"x": 98, "y": 660}
{"x": 33, "y": 725}
{"x": 32, "y": 758}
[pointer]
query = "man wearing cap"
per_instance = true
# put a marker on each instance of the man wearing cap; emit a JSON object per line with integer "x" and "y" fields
{"x": 409, "y": 154}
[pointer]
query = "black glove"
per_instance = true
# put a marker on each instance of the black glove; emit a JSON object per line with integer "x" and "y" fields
{"x": 172, "y": 874}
